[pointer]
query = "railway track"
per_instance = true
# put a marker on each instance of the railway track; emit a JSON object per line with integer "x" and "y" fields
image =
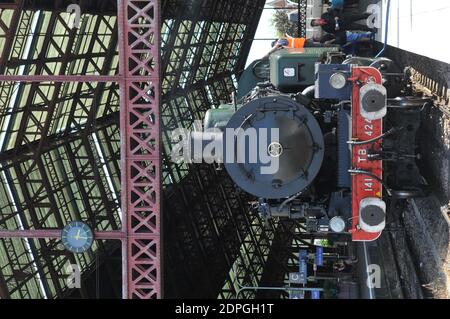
{"x": 428, "y": 240}
{"x": 439, "y": 92}
{"x": 433, "y": 89}
{"x": 412, "y": 255}
{"x": 399, "y": 277}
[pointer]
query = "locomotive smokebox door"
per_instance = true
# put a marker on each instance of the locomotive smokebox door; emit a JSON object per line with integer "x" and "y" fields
{"x": 289, "y": 150}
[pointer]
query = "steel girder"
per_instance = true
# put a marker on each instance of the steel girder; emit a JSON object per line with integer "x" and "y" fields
{"x": 139, "y": 33}
{"x": 302, "y": 18}
{"x": 98, "y": 7}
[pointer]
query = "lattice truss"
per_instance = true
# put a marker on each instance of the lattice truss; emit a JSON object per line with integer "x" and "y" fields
{"x": 303, "y": 4}
{"x": 59, "y": 142}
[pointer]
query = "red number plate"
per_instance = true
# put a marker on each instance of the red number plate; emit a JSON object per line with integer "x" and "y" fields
{"x": 362, "y": 130}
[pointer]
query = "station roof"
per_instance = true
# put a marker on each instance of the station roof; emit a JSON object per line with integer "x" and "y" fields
{"x": 60, "y": 142}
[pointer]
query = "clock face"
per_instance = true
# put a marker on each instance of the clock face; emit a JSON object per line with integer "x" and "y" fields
{"x": 77, "y": 237}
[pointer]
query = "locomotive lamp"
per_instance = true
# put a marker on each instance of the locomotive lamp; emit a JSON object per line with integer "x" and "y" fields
{"x": 337, "y": 224}
{"x": 373, "y": 100}
{"x": 338, "y": 81}
{"x": 372, "y": 215}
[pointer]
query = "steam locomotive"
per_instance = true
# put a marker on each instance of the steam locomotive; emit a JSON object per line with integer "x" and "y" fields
{"x": 344, "y": 142}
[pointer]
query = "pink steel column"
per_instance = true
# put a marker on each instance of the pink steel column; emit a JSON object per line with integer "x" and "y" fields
{"x": 139, "y": 38}
{"x": 59, "y": 78}
{"x": 56, "y": 234}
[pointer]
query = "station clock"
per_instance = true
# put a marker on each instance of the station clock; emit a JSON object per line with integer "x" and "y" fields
{"x": 77, "y": 237}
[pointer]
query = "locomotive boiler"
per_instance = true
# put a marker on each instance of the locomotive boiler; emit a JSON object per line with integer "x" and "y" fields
{"x": 320, "y": 138}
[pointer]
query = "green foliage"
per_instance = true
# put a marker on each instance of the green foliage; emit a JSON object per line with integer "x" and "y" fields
{"x": 324, "y": 243}
{"x": 282, "y": 25}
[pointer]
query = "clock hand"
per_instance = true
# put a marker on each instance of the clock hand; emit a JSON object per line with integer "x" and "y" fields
{"x": 77, "y": 237}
